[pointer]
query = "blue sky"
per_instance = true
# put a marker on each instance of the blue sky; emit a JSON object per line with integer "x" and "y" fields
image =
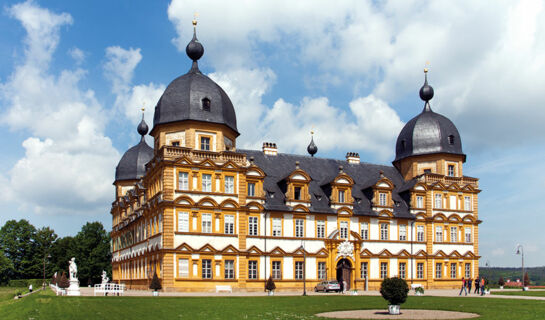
{"x": 74, "y": 75}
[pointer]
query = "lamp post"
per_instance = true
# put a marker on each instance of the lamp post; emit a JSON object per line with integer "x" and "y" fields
{"x": 48, "y": 257}
{"x": 520, "y": 251}
{"x": 304, "y": 271}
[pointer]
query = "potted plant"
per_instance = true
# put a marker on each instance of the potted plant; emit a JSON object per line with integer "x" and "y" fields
{"x": 155, "y": 285}
{"x": 501, "y": 282}
{"x": 270, "y": 286}
{"x": 526, "y": 282}
{"x": 394, "y": 290}
{"x": 419, "y": 291}
{"x": 63, "y": 283}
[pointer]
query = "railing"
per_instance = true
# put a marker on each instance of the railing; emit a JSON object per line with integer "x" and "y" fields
{"x": 433, "y": 177}
{"x": 177, "y": 152}
{"x": 106, "y": 288}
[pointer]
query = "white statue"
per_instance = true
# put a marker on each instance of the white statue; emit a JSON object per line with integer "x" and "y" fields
{"x": 105, "y": 278}
{"x": 345, "y": 249}
{"x": 73, "y": 269}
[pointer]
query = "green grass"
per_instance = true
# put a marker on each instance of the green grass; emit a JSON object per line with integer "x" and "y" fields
{"x": 45, "y": 305}
{"x": 7, "y": 293}
{"x": 531, "y": 293}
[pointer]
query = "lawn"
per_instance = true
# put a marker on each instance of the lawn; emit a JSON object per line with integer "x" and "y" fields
{"x": 532, "y": 293}
{"x": 7, "y": 293}
{"x": 45, "y": 305}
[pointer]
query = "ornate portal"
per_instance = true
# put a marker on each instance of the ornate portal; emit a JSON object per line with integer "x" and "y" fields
{"x": 345, "y": 249}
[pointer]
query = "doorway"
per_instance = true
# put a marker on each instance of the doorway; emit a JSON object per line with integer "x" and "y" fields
{"x": 344, "y": 274}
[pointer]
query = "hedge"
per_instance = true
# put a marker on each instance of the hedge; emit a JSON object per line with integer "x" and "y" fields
{"x": 36, "y": 283}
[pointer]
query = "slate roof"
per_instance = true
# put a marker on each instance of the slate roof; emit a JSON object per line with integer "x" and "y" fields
{"x": 132, "y": 164}
{"x": 322, "y": 172}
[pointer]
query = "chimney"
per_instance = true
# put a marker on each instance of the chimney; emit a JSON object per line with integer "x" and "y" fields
{"x": 353, "y": 157}
{"x": 270, "y": 149}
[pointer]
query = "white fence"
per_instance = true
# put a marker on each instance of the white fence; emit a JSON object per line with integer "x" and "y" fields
{"x": 108, "y": 288}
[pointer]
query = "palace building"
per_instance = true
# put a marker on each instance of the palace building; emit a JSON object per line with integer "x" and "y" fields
{"x": 204, "y": 215}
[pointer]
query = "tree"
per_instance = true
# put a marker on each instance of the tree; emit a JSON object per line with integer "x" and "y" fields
{"x": 526, "y": 280}
{"x": 45, "y": 238}
{"x": 6, "y": 268}
{"x": 155, "y": 283}
{"x": 63, "y": 283}
{"x": 501, "y": 282}
{"x": 92, "y": 252}
{"x": 17, "y": 240}
{"x": 62, "y": 250}
{"x": 394, "y": 290}
{"x": 270, "y": 286}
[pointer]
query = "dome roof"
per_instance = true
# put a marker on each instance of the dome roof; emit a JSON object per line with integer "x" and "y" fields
{"x": 132, "y": 164}
{"x": 428, "y": 133}
{"x": 194, "y": 96}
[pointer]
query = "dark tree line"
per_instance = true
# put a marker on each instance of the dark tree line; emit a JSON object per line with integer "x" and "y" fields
{"x": 23, "y": 249}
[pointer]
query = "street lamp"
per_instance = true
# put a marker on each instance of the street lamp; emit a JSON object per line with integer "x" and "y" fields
{"x": 520, "y": 251}
{"x": 304, "y": 271}
{"x": 48, "y": 257}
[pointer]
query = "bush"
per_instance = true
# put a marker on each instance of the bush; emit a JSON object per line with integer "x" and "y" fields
{"x": 270, "y": 286}
{"x": 501, "y": 282}
{"x": 24, "y": 283}
{"x": 394, "y": 290}
{"x": 63, "y": 283}
{"x": 155, "y": 283}
{"x": 419, "y": 290}
{"x": 526, "y": 280}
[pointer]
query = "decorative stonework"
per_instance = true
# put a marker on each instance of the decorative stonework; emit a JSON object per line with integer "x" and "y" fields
{"x": 345, "y": 249}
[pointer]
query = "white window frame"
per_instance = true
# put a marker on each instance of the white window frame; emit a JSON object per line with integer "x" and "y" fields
{"x": 451, "y": 170}
{"x": 183, "y": 181}
{"x": 364, "y": 231}
{"x": 420, "y": 233}
{"x": 384, "y": 231}
{"x": 343, "y": 229}
{"x": 206, "y": 223}
{"x": 467, "y": 203}
{"x": 364, "y": 270}
{"x": 453, "y": 267}
{"x": 468, "y": 270}
{"x": 341, "y": 196}
{"x": 229, "y": 224}
{"x": 382, "y": 199}
{"x": 276, "y": 227}
{"x": 251, "y": 189}
{"x": 438, "y": 201}
{"x": 206, "y": 269}
{"x": 299, "y": 266}
{"x": 420, "y": 201}
{"x": 453, "y": 234}
{"x": 438, "y": 270}
{"x": 438, "y": 234}
{"x": 276, "y": 270}
{"x": 402, "y": 270}
{"x": 468, "y": 234}
{"x": 183, "y": 268}
{"x": 183, "y": 221}
{"x": 384, "y": 270}
{"x": 402, "y": 232}
{"x": 206, "y": 182}
{"x": 229, "y": 184}
{"x": 320, "y": 228}
{"x": 322, "y": 271}
{"x": 252, "y": 269}
{"x": 299, "y": 228}
{"x": 253, "y": 223}
{"x": 229, "y": 269}
{"x": 420, "y": 270}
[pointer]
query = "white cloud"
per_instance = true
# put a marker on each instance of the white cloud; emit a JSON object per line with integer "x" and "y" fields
{"x": 119, "y": 69}
{"x": 68, "y": 163}
{"x": 77, "y": 54}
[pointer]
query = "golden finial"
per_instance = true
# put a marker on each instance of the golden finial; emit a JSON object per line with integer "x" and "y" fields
{"x": 143, "y": 109}
{"x": 426, "y": 67}
{"x": 195, "y": 15}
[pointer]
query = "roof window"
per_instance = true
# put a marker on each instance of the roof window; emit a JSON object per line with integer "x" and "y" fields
{"x": 206, "y": 104}
{"x": 451, "y": 139}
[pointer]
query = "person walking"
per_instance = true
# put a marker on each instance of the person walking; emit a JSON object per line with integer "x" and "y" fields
{"x": 463, "y": 287}
{"x": 469, "y": 283}
{"x": 477, "y": 282}
{"x": 30, "y": 288}
{"x": 482, "y": 286}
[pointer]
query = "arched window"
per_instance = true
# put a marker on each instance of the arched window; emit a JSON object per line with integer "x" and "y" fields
{"x": 206, "y": 104}
{"x": 451, "y": 139}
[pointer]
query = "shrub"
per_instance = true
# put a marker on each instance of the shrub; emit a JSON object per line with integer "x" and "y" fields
{"x": 24, "y": 283}
{"x": 270, "y": 286}
{"x": 419, "y": 290}
{"x": 526, "y": 280}
{"x": 155, "y": 283}
{"x": 501, "y": 282}
{"x": 63, "y": 282}
{"x": 394, "y": 290}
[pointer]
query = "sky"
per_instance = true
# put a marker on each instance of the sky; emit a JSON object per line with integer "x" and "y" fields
{"x": 75, "y": 74}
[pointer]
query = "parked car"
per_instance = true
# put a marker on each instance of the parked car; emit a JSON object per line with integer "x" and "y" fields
{"x": 326, "y": 286}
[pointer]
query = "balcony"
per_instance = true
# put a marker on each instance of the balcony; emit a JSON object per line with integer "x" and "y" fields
{"x": 172, "y": 152}
{"x": 446, "y": 180}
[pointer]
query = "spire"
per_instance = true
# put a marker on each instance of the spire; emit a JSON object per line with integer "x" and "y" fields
{"x": 426, "y": 92}
{"x": 194, "y": 49}
{"x": 312, "y": 148}
{"x": 142, "y": 127}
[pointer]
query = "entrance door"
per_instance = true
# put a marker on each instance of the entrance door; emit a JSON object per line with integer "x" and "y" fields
{"x": 344, "y": 273}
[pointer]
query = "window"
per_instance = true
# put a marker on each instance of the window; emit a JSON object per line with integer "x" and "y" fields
{"x": 229, "y": 184}
{"x": 420, "y": 233}
{"x": 207, "y": 182}
{"x": 453, "y": 234}
{"x": 175, "y": 143}
{"x": 299, "y": 228}
{"x": 206, "y": 220}
{"x": 277, "y": 227}
{"x": 207, "y": 269}
{"x": 229, "y": 224}
{"x": 453, "y": 270}
{"x": 344, "y": 229}
{"x": 468, "y": 270}
{"x": 364, "y": 232}
{"x": 252, "y": 226}
{"x": 183, "y": 268}
{"x": 252, "y": 269}
{"x": 427, "y": 170}
{"x": 402, "y": 270}
{"x": 420, "y": 270}
{"x": 382, "y": 199}
{"x": 251, "y": 189}
{"x": 297, "y": 193}
{"x": 419, "y": 201}
{"x": 299, "y": 270}
{"x": 183, "y": 221}
{"x": 438, "y": 234}
{"x": 467, "y": 203}
{"x": 364, "y": 270}
{"x": 320, "y": 228}
{"x": 451, "y": 139}
{"x": 206, "y": 104}
{"x": 341, "y": 195}
{"x": 229, "y": 269}
{"x": 438, "y": 201}
{"x": 383, "y": 231}
{"x": 322, "y": 274}
{"x": 205, "y": 143}
{"x": 383, "y": 270}
{"x": 451, "y": 170}
{"x": 183, "y": 181}
{"x": 276, "y": 270}
{"x": 438, "y": 269}
{"x": 468, "y": 234}
{"x": 403, "y": 232}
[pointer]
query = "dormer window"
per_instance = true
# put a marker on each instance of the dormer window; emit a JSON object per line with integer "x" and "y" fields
{"x": 205, "y": 143}
{"x": 297, "y": 193}
{"x": 341, "y": 196}
{"x": 382, "y": 199}
{"x": 206, "y": 104}
{"x": 451, "y": 139}
{"x": 451, "y": 170}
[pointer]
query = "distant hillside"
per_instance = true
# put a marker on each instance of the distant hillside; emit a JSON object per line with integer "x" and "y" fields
{"x": 536, "y": 274}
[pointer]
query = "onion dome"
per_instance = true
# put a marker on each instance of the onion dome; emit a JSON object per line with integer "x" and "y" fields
{"x": 312, "y": 148}
{"x": 195, "y": 96}
{"x": 429, "y": 132}
{"x": 132, "y": 164}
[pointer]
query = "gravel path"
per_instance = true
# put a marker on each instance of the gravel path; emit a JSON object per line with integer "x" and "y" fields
{"x": 405, "y": 314}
